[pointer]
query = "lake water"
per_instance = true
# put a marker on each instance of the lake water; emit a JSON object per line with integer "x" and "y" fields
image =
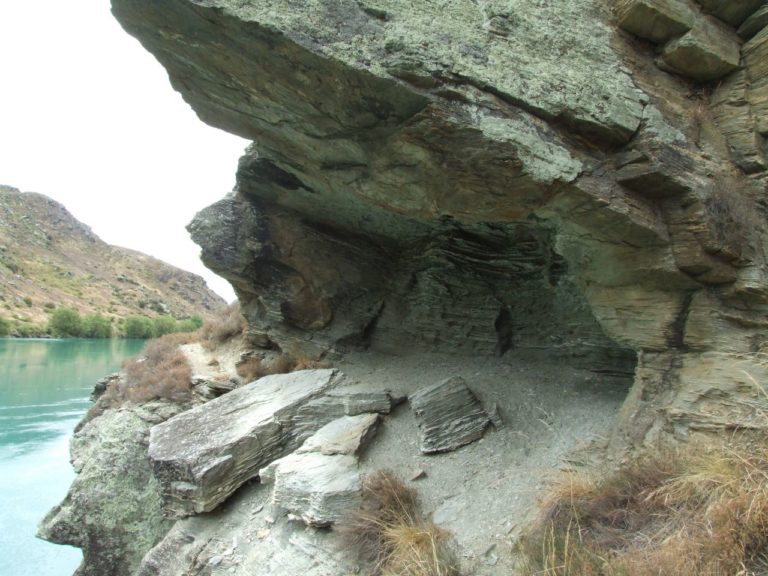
{"x": 44, "y": 389}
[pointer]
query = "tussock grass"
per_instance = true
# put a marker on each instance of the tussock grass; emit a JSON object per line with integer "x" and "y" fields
{"x": 390, "y": 532}
{"x": 698, "y": 510}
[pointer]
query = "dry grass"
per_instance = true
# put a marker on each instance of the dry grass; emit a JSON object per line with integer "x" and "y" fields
{"x": 162, "y": 371}
{"x": 700, "y": 510}
{"x": 390, "y": 532}
{"x": 229, "y": 324}
{"x": 257, "y": 366}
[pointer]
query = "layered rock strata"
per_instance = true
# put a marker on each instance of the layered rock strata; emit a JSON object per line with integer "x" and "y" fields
{"x": 573, "y": 181}
{"x": 450, "y": 415}
{"x": 485, "y": 176}
{"x": 203, "y": 455}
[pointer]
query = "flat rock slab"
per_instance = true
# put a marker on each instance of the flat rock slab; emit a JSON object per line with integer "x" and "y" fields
{"x": 320, "y": 482}
{"x": 449, "y": 414}
{"x": 201, "y": 456}
{"x": 708, "y": 52}
{"x": 656, "y": 20}
{"x": 345, "y": 435}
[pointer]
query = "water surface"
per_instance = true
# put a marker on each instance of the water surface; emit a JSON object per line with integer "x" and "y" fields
{"x": 44, "y": 389}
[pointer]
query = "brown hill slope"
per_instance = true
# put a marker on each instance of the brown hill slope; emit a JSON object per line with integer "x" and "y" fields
{"x": 49, "y": 259}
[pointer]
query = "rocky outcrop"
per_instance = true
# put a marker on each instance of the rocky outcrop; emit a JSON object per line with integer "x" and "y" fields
{"x": 486, "y": 178}
{"x": 568, "y": 181}
{"x": 203, "y": 455}
{"x": 112, "y": 511}
{"x": 320, "y": 482}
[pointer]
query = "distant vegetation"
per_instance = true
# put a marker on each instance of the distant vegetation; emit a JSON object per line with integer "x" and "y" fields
{"x": 66, "y": 322}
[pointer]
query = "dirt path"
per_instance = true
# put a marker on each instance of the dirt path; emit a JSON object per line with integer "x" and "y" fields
{"x": 483, "y": 491}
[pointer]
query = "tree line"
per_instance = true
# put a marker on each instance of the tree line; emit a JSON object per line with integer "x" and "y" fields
{"x": 69, "y": 323}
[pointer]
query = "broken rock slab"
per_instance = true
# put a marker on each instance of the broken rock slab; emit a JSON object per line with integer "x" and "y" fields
{"x": 708, "y": 52}
{"x": 450, "y": 415}
{"x": 320, "y": 482}
{"x": 656, "y": 20}
{"x": 202, "y": 456}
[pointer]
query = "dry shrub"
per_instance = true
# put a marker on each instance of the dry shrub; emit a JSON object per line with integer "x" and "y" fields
{"x": 701, "y": 510}
{"x": 162, "y": 371}
{"x": 390, "y": 532}
{"x": 230, "y": 323}
{"x": 255, "y": 367}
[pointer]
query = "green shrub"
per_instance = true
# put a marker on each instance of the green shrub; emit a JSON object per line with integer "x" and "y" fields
{"x": 96, "y": 326}
{"x": 66, "y": 323}
{"x": 29, "y": 331}
{"x": 163, "y": 325}
{"x": 5, "y": 327}
{"x": 186, "y": 326}
{"x": 138, "y": 327}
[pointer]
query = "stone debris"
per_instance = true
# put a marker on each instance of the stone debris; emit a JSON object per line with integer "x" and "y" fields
{"x": 418, "y": 475}
{"x": 209, "y": 389}
{"x": 449, "y": 414}
{"x": 320, "y": 483}
{"x": 732, "y": 12}
{"x": 203, "y": 455}
{"x": 338, "y": 403}
{"x": 101, "y": 386}
{"x": 495, "y": 416}
{"x": 316, "y": 487}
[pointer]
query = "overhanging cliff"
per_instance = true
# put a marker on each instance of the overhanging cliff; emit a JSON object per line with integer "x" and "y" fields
{"x": 479, "y": 175}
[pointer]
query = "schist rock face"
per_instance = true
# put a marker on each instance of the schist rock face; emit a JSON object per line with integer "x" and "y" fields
{"x": 580, "y": 182}
{"x": 487, "y": 176}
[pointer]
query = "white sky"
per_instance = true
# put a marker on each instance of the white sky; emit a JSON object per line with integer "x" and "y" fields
{"x": 88, "y": 118}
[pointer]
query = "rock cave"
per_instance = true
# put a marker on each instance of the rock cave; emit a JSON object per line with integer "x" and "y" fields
{"x": 577, "y": 183}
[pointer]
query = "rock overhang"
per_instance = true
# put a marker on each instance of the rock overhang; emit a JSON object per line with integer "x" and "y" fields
{"x": 396, "y": 143}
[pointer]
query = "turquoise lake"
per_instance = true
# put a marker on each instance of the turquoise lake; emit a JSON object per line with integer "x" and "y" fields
{"x": 44, "y": 389}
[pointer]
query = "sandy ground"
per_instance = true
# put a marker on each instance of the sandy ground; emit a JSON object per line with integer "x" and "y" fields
{"x": 555, "y": 418}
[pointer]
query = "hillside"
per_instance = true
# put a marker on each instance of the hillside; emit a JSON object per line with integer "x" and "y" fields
{"x": 50, "y": 259}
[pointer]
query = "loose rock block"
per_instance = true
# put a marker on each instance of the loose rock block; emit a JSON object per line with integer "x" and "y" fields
{"x": 732, "y": 12}
{"x": 320, "y": 482}
{"x": 450, "y": 415}
{"x": 203, "y": 455}
{"x": 708, "y": 52}
{"x": 756, "y": 22}
{"x": 656, "y": 20}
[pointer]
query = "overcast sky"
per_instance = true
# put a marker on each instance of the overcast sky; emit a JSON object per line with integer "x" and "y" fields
{"x": 88, "y": 117}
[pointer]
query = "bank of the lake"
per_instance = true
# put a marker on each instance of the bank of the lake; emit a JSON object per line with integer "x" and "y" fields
{"x": 44, "y": 389}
